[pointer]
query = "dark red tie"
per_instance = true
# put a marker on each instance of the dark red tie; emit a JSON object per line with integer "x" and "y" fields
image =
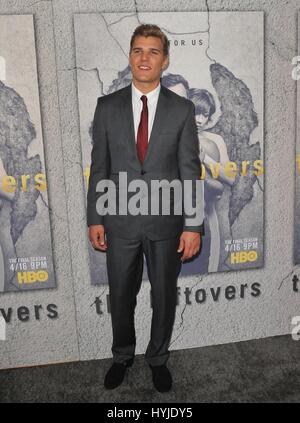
{"x": 142, "y": 134}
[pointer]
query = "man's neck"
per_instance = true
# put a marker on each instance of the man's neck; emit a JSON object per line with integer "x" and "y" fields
{"x": 145, "y": 88}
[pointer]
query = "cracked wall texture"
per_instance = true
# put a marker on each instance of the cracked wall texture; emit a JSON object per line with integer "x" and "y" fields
{"x": 211, "y": 322}
{"x": 38, "y": 340}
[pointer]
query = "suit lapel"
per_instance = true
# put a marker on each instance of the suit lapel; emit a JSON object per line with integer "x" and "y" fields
{"x": 162, "y": 110}
{"x": 128, "y": 121}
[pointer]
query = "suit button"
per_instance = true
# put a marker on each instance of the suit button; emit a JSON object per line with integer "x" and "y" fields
{"x": 143, "y": 172}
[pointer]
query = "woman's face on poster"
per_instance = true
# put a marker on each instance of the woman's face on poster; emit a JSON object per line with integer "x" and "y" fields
{"x": 202, "y": 120}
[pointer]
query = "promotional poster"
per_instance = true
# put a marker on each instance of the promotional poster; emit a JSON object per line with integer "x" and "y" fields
{"x": 25, "y": 239}
{"x": 225, "y": 81}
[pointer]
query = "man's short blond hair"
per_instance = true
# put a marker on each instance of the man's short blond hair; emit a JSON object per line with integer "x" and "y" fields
{"x": 149, "y": 30}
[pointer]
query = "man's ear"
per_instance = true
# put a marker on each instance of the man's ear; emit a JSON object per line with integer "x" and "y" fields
{"x": 166, "y": 63}
{"x": 129, "y": 58}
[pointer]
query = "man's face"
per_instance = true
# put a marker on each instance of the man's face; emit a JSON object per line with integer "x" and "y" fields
{"x": 147, "y": 59}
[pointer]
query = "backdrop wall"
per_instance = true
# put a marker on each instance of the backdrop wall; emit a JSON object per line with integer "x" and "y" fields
{"x": 221, "y": 317}
{"x": 33, "y": 333}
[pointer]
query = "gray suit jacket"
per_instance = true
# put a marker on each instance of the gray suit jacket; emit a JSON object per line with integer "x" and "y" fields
{"x": 173, "y": 153}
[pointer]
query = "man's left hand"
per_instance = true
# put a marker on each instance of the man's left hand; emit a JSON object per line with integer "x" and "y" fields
{"x": 190, "y": 244}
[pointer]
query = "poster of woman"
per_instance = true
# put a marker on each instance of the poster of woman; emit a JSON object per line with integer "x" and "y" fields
{"x": 25, "y": 239}
{"x": 210, "y": 64}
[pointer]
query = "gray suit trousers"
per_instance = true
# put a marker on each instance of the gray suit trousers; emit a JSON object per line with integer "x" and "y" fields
{"x": 125, "y": 268}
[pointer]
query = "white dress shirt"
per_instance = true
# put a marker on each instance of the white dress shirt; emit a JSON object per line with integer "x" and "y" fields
{"x": 137, "y": 107}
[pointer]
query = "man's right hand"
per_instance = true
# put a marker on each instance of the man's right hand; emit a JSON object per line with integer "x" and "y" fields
{"x": 97, "y": 237}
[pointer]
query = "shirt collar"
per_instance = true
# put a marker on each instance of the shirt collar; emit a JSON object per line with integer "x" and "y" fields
{"x": 136, "y": 93}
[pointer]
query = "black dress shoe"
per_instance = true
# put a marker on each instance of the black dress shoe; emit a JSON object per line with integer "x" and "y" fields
{"x": 162, "y": 378}
{"x": 115, "y": 375}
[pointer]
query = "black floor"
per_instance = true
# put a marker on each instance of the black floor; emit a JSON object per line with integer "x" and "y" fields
{"x": 266, "y": 370}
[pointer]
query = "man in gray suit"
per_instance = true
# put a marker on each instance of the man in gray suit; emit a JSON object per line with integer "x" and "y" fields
{"x": 148, "y": 133}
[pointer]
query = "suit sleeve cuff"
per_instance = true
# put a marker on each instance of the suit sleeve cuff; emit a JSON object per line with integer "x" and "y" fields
{"x": 199, "y": 229}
